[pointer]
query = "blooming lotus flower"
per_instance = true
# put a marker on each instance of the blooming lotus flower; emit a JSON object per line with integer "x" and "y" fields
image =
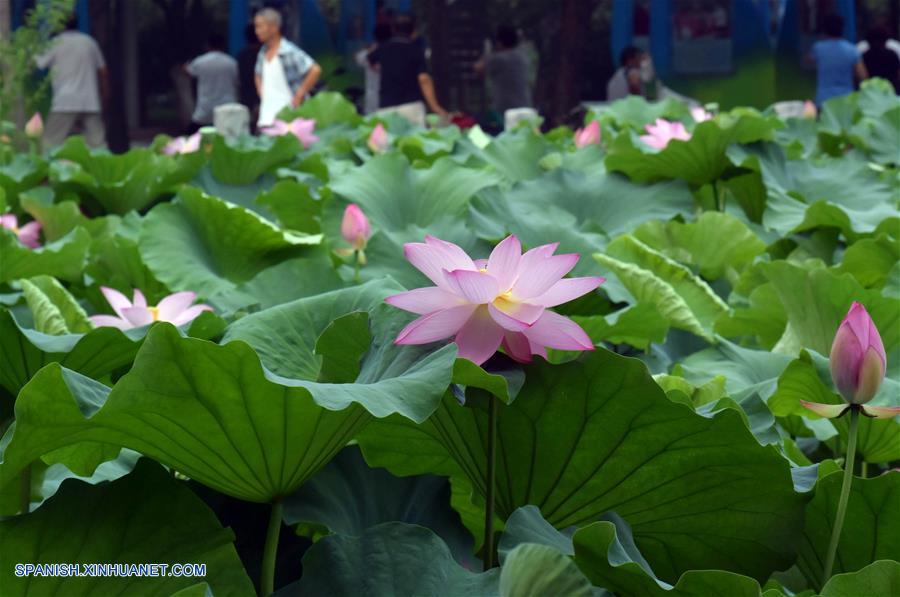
{"x": 503, "y": 300}
{"x": 175, "y": 309}
{"x": 34, "y": 128}
{"x": 355, "y": 227}
{"x": 302, "y": 128}
{"x": 28, "y": 234}
{"x": 663, "y": 131}
{"x": 699, "y": 114}
{"x": 183, "y": 144}
{"x": 858, "y": 363}
{"x": 589, "y": 135}
{"x": 809, "y": 110}
{"x": 378, "y": 141}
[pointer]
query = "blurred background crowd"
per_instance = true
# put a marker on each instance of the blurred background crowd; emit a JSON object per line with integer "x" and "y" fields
{"x": 122, "y": 71}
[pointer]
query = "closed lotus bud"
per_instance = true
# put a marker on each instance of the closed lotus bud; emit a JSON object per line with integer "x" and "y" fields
{"x": 355, "y": 227}
{"x": 378, "y": 140}
{"x": 589, "y": 135}
{"x": 34, "y": 128}
{"x": 858, "y": 360}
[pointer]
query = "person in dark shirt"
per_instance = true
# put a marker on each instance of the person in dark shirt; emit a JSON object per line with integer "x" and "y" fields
{"x": 246, "y": 59}
{"x": 507, "y": 72}
{"x": 405, "y": 81}
{"x": 881, "y": 61}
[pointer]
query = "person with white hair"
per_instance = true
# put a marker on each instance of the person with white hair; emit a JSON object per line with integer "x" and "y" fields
{"x": 285, "y": 74}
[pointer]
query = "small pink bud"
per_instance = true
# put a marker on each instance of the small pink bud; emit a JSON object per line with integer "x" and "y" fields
{"x": 858, "y": 360}
{"x": 589, "y": 135}
{"x": 355, "y": 227}
{"x": 378, "y": 141}
{"x": 34, "y": 128}
{"x": 809, "y": 110}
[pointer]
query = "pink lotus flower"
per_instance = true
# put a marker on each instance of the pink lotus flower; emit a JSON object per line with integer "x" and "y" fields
{"x": 28, "y": 234}
{"x": 175, "y": 309}
{"x": 302, "y": 128}
{"x": 858, "y": 363}
{"x": 34, "y": 128}
{"x": 355, "y": 227}
{"x": 809, "y": 110}
{"x": 503, "y": 300}
{"x": 663, "y": 131}
{"x": 589, "y": 135}
{"x": 183, "y": 144}
{"x": 378, "y": 141}
{"x": 699, "y": 114}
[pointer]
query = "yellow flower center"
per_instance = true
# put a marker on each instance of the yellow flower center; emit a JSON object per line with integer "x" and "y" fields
{"x": 154, "y": 311}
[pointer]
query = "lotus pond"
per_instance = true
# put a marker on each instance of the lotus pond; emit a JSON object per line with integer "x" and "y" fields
{"x": 351, "y": 357}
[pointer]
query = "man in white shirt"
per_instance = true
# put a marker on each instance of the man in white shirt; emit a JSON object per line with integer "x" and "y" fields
{"x": 217, "y": 80}
{"x": 79, "y": 80}
{"x": 285, "y": 74}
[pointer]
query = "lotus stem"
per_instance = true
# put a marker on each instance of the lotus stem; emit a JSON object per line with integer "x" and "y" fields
{"x": 267, "y": 575}
{"x": 356, "y": 266}
{"x": 488, "y": 557}
{"x": 25, "y": 491}
{"x": 845, "y": 494}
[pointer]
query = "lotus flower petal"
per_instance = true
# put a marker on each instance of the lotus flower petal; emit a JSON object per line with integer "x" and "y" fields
{"x": 435, "y": 326}
{"x": 173, "y": 305}
{"x": 829, "y": 411}
{"x": 479, "y": 338}
{"x": 881, "y": 412}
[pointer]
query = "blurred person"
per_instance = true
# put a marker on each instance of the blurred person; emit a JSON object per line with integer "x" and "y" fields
{"x": 217, "y": 81}
{"x": 405, "y": 80}
{"x": 80, "y": 85}
{"x": 508, "y": 72}
{"x": 881, "y": 61}
{"x": 627, "y": 79}
{"x": 284, "y": 73}
{"x": 837, "y": 61}
{"x": 373, "y": 78}
{"x": 246, "y": 60}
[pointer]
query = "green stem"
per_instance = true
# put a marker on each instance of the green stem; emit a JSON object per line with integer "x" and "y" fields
{"x": 25, "y": 491}
{"x": 356, "y": 266}
{"x": 267, "y": 580}
{"x": 488, "y": 557}
{"x": 720, "y": 200}
{"x": 863, "y": 470}
{"x": 845, "y": 495}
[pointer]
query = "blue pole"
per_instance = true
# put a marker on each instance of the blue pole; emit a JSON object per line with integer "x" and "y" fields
{"x": 622, "y": 28}
{"x": 661, "y": 36}
{"x": 238, "y": 17}
{"x": 846, "y": 9}
{"x": 84, "y": 16}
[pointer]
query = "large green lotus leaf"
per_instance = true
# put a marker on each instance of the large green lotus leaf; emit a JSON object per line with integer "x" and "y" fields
{"x": 95, "y": 354}
{"x": 606, "y": 552}
{"x": 213, "y": 413}
{"x": 600, "y": 554}
{"x": 759, "y": 317}
{"x": 534, "y": 570}
{"x": 718, "y": 244}
{"x": 881, "y": 136}
{"x": 294, "y": 205}
{"x": 871, "y": 526}
{"x": 598, "y": 434}
{"x": 514, "y": 156}
{"x": 54, "y": 310}
{"x": 285, "y": 336}
{"x": 207, "y": 245}
{"x": 636, "y": 112}
{"x": 700, "y": 160}
{"x": 685, "y": 300}
{"x": 244, "y": 195}
{"x": 57, "y": 219}
{"x": 144, "y": 517}
{"x": 870, "y": 260}
{"x": 878, "y": 578}
{"x": 23, "y": 172}
{"x": 327, "y": 109}
{"x": 394, "y": 195}
{"x": 390, "y": 559}
{"x": 120, "y": 183}
{"x": 575, "y": 209}
{"x": 283, "y": 282}
{"x": 115, "y": 261}
{"x": 63, "y": 258}
{"x": 639, "y": 325}
{"x": 816, "y": 300}
{"x": 243, "y": 161}
{"x": 347, "y": 497}
{"x": 804, "y": 379}
{"x": 838, "y": 192}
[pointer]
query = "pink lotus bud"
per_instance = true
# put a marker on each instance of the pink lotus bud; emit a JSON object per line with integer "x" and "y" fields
{"x": 34, "y": 128}
{"x": 589, "y": 135}
{"x": 378, "y": 141}
{"x": 809, "y": 110}
{"x": 355, "y": 227}
{"x": 858, "y": 360}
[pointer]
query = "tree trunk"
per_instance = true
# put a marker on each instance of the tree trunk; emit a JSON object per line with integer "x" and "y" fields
{"x": 574, "y": 25}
